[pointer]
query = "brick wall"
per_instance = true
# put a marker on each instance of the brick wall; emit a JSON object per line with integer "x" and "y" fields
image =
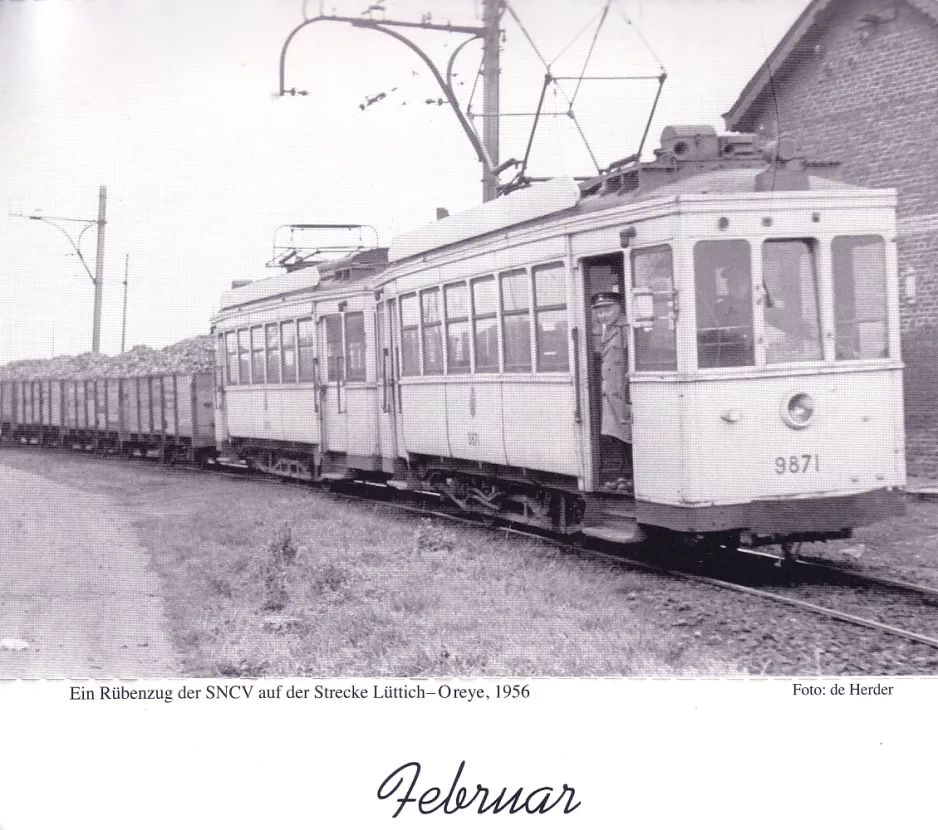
{"x": 867, "y": 96}
{"x": 919, "y": 347}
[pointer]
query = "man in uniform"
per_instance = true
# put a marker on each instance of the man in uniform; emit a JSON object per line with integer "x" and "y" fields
{"x": 734, "y": 310}
{"x": 616, "y": 429}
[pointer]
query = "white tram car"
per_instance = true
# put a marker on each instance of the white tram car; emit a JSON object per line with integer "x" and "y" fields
{"x": 476, "y": 353}
{"x": 295, "y": 377}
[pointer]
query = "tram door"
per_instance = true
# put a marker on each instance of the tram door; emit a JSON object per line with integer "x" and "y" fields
{"x": 332, "y": 410}
{"x": 611, "y": 452}
{"x": 387, "y": 383}
{"x": 225, "y": 352}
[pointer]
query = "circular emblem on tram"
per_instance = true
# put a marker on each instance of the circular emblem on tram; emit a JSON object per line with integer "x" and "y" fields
{"x": 472, "y": 402}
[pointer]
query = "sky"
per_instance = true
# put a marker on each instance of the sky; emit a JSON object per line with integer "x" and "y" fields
{"x": 172, "y": 105}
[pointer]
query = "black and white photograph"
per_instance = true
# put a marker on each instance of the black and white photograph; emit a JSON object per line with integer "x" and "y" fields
{"x": 467, "y": 408}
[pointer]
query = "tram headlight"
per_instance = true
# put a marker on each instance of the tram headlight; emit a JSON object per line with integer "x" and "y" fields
{"x": 798, "y": 410}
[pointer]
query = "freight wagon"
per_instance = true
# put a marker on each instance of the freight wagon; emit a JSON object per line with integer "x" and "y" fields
{"x": 169, "y": 414}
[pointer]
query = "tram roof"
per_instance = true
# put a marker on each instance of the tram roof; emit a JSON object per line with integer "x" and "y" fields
{"x": 279, "y": 284}
{"x": 559, "y": 197}
{"x": 712, "y": 183}
{"x": 350, "y": 269}
{"x": 517, "y": 208}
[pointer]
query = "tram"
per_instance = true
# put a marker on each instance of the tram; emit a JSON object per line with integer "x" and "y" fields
{"x": 469, "y": 362}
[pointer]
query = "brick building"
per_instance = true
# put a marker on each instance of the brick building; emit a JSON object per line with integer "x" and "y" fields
{"x": 857, "y": 82}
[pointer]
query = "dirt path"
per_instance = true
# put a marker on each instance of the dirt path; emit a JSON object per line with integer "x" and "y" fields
{"x": 77, "y": 595}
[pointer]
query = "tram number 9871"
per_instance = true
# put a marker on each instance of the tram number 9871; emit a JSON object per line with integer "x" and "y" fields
{"x": 793, "y": 464}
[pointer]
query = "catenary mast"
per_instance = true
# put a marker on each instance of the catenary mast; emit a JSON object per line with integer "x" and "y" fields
{"x": 491, "y": 16}
{"x": 486, "y": 148}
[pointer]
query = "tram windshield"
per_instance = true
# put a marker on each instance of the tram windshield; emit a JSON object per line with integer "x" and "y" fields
{"x": 789, "y": 301}
{"x": 789, "y": 282}
{"x": 860, "y": 297}
{"x": 724, "y": 304}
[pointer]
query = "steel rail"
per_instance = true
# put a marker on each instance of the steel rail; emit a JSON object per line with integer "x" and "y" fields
{"x": 817, "y": 609}
{"x": 830, "y": 613}
{"x": 872, "y": 579}
{"x": 868, "y": 579}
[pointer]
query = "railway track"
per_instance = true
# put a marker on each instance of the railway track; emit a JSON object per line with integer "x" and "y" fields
{"x": 872, "y": 600}
{"x": 892, "y": 607}
{"x": 807, "y": 585}
{"x": 879, "y": 603}
{"x": 878, "y": 597}
{"x": 821, "y": 585}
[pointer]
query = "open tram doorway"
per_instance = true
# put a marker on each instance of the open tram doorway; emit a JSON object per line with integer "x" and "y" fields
{"x": 610, "y": 410}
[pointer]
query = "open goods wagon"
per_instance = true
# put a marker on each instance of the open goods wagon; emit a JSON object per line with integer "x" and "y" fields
{"x": 169, "y": 414}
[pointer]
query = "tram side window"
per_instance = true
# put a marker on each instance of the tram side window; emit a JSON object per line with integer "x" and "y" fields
{"x": 516, "y": 321}
{"x": 273, "y": 353}
{"x": 288, "y": 347}
{"x": 244, "y": 356}
{"x": 550, "y": 313}
{"x": 789, "y": 280}
{"x": 306, "y": 350}
{"x": 432, "y": 332}
{"x": 457, "y": 328}
{"x": 257, "y": 354}
{"x": 410, "y": 335}
{"x": 332, "y": 328}
{"x": 485, "y": 323}
{"x": 723, "y": 283}
{"x": 231, "y": 345}
{"x": 355, "y": 345}
{"x": 655, "y": 343}
{"x": 860, "y": 326}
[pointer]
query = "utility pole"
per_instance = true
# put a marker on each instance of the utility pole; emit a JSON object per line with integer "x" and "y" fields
{"x": 486, "y": 148}
{"x": 97, "y": 278}
{"x": 124, "y": 319}
{"x": 99, "y": 272}
{"x": 491, "y": 69}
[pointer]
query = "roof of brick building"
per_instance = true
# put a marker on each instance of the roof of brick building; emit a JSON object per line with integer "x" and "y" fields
{"x": 787, "y": 46}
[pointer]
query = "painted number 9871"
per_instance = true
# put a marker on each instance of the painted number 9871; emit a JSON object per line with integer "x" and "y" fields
{"x": 797, "y": 464}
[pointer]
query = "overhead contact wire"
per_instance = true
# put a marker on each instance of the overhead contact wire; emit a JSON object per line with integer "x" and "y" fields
{"x": 589, "y": 54}
{"x": 641, "y": 37}
{"x": 575, "y": 38}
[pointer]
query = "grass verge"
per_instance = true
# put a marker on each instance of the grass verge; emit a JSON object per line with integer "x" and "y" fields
{"x": 261, "y": 580}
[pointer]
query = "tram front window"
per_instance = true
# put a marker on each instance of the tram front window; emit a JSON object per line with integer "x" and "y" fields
{"x": 723, "y": 283}
{"x": 860, "y": 297}
{"x": 789, "y": 280}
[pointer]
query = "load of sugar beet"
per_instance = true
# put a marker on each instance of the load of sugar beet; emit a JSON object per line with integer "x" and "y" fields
{"x": 196, "y": 354}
